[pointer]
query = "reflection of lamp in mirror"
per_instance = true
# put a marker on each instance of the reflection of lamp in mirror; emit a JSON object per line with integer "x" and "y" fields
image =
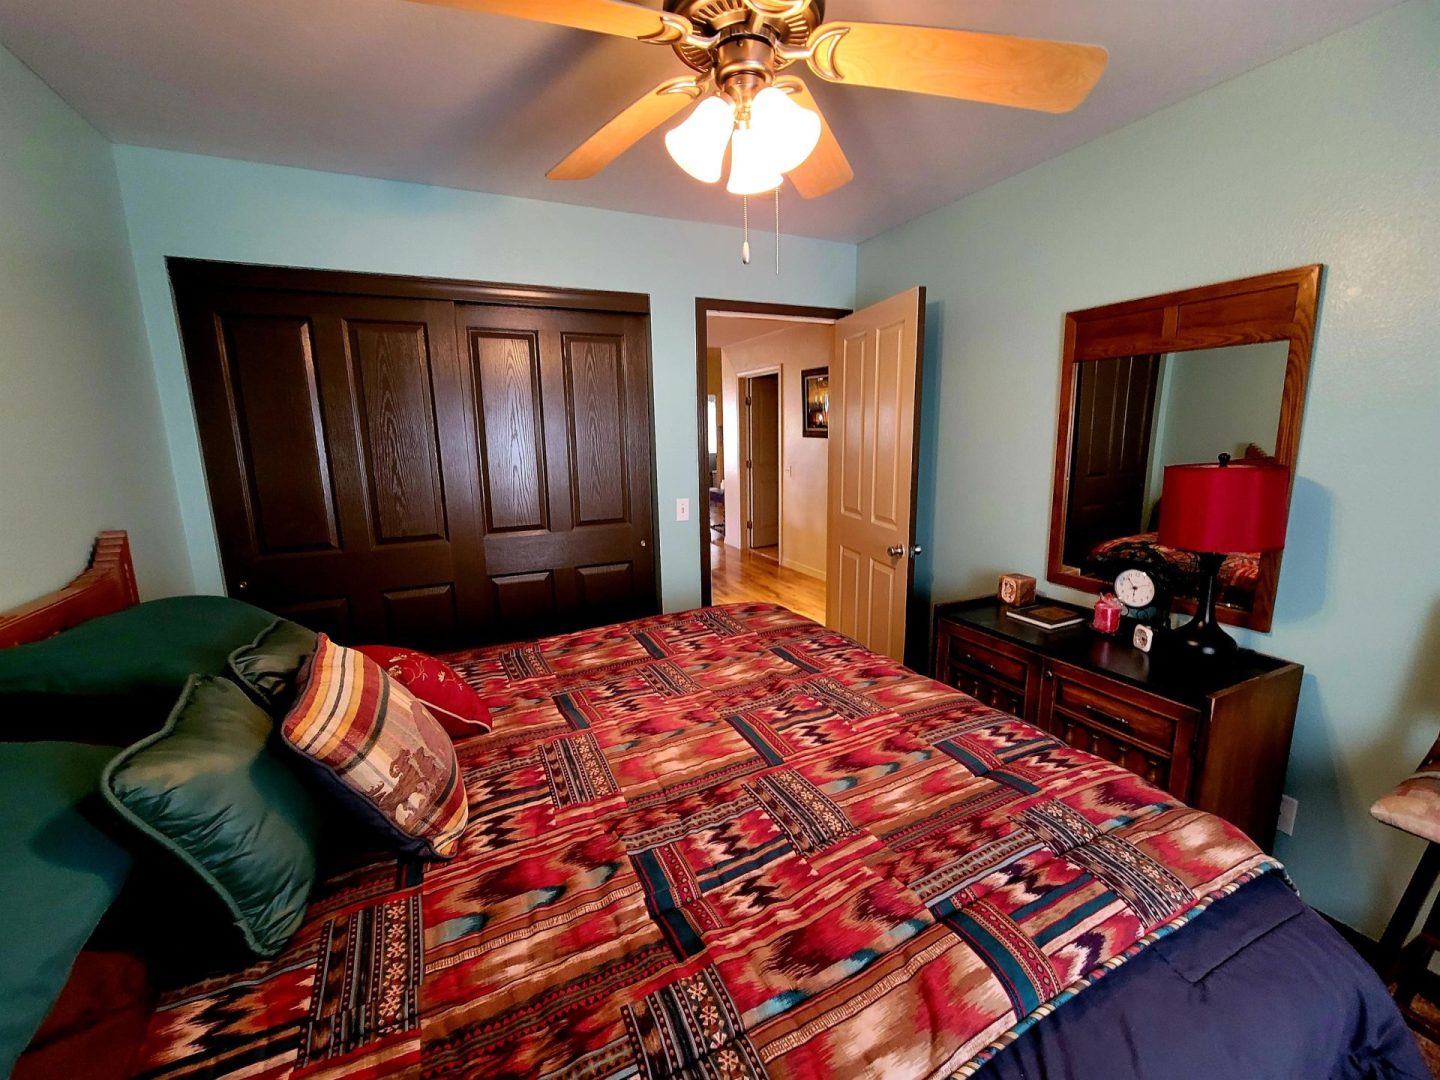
{"x": 1216, "y": 510}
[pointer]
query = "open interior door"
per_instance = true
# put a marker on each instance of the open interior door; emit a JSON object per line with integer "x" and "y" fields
{"x": 874, "y": 392}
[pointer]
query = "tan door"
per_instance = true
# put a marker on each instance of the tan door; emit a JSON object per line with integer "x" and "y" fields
{"x": 874, "y": 391}
{"x": 763, "y": 459}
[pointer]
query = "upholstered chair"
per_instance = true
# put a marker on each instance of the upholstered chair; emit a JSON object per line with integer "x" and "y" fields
{"x": 1414, "y": 806}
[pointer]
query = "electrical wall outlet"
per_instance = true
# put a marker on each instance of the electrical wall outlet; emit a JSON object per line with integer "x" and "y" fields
{"x": 1289, "y": 807}
{"x": 682, "y": 509}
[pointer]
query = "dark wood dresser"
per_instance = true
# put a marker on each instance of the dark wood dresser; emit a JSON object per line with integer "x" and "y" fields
{"x": 1213, "y": 731}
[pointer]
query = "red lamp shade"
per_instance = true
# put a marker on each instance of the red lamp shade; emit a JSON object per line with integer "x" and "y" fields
{"x": 1225, "y": 508}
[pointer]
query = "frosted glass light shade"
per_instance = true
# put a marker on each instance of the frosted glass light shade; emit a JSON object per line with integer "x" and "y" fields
{"x": 789, "y": 130}
{"x": 751, "y": 171}
{"x": 698, "y": 144}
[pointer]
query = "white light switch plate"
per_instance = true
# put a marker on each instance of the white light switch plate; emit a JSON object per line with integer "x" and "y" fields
{"x": 1288, "y": 809}
{"x": 682, "y": 509}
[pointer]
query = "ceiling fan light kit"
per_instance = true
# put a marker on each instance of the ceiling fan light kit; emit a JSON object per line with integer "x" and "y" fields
{"x": 772, "y": 127}
{"x": 768, "y": 137}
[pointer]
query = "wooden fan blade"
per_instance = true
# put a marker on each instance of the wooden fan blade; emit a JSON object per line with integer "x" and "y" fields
{"x": 598, "y": 16}
{"x": 827, "y": 168}
{"x": 1027, "y": 73}
{"x": 623, "y": 132}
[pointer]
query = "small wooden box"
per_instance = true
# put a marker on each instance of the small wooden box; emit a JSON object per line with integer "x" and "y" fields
{"x": 1016, "y": 589}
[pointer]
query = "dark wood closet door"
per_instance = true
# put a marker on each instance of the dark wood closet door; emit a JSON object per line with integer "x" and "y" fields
{"x": 334, "y": 435}
{"x": 562, "y": 444}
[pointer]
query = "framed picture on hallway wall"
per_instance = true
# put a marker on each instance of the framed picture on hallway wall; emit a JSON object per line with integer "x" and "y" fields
{"x": 815, "y": 394}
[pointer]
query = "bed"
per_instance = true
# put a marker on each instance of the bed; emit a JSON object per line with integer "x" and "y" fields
{"x": 732, "y": 843}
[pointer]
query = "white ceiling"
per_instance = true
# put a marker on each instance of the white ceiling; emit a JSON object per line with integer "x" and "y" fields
{"x": 408, "y": 91}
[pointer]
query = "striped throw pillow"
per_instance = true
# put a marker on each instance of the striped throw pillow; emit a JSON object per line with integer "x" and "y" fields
{"x": 379, "y": 751}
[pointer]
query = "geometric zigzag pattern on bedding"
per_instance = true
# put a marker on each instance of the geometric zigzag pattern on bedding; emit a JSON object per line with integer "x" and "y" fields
{"x": 723, "y": 843}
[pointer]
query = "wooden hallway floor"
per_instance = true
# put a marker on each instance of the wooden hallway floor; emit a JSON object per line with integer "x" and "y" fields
{"x": 739, "y": 576}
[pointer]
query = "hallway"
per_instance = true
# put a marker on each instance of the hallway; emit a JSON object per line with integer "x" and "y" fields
{"x": 739, "y": 576}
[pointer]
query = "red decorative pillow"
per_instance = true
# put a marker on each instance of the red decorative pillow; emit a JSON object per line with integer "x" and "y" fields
{"x": 458, "y": 708}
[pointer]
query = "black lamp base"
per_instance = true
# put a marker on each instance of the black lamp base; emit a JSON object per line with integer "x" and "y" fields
{"x": 1203, "y": 632}
{"x": 1205, "y": 637}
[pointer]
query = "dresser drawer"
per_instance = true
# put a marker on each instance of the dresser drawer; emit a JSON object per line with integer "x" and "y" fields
{"x": 964, "y": 651}
{"x": 1103, "y": 742}
{"x": 1077, "y": 695}
{"x": 975, "y": 665}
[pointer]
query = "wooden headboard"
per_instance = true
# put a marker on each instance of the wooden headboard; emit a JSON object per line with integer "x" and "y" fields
{"x": 107, "y": 585}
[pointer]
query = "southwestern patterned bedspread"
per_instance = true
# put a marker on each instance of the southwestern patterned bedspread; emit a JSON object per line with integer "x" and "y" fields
{"x": 726, "y": 843}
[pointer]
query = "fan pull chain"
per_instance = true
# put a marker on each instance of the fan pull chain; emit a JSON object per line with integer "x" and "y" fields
{"x": 777, "y": 226}
{"x": 745, "y": 246}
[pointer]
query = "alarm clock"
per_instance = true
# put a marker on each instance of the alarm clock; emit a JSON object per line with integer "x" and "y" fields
{"x": 1144, "y": 636}
{"x": 1141, "y": 578}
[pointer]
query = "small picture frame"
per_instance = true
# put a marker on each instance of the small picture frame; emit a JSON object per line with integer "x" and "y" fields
{"x": 815, "y": 399}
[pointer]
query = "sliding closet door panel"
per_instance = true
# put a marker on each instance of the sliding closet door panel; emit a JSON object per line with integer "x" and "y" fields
{"x": 320, "y": 420}
{"x": 395, "y": 401}
{"x": 269, "y": 364}
{"x": 564, "y": 451}
{"x": 388, "y": 462}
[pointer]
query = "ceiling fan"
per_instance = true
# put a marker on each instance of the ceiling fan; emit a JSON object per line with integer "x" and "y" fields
{"x": 770, "y": 124}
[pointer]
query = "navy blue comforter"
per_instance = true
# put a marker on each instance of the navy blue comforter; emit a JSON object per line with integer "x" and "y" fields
{"x": 1258, "y": 988}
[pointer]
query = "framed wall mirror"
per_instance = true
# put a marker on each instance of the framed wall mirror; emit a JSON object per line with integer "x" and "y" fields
{"x": 1171, "y": 379}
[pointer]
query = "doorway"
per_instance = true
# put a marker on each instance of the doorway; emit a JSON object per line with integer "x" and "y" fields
{"x": 764, "y": 481}
{"x": 849, "y": 388}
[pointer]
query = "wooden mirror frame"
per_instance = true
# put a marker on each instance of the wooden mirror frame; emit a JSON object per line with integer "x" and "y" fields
{"x": 1271, "y": 307}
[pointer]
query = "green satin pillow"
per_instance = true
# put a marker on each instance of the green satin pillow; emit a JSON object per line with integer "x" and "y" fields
{"x": 113, "y": 679}
{"x": 269, "y": 667}
{"x": 155, "y": 645}
{"x": 208, "y": 789}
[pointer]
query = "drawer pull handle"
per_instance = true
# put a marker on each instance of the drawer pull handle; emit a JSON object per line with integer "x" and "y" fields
{"x": 971, "y": 658}
{"x": 1106, "y": 718}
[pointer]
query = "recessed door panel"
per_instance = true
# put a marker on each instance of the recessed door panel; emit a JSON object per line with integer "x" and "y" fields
{"x": 608, "y": 586}
{"x": 852, "y": 426}
{"x": 525, "y": 599}
{"x": 849, "y": 593}
{"x": 505, "y": 367}
{"x": 421, "y": 614}
{"x": 596, "y": 389}
{"x": 275, "y": 406}
{"x": 883, "y": 607}
{"x": 888, "y": 476}
{"x": 394, "y": 401}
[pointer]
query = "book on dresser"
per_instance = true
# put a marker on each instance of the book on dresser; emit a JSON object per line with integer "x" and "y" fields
{"x": 1212, "y": 731}
{"x": 1046, "y": 616}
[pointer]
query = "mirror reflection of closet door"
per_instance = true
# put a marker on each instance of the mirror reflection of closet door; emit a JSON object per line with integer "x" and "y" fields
{"x": 1113, "y": 426}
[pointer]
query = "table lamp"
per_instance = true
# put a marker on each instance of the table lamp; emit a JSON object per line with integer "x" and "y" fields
{"x": 1216, "y": 509}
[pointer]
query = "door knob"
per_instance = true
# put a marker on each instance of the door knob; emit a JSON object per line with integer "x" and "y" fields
{"x": 241, "y": 586}
{"x": 895, "y": 550}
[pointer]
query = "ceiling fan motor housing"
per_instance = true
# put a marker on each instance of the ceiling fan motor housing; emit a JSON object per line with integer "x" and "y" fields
{"x": 744, "y": 58}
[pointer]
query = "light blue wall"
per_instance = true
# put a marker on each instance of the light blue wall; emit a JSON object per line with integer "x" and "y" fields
{"x": 211, "y": 208}
{"x": 1331, "y": 154}
{"x": 80, "y": 442}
